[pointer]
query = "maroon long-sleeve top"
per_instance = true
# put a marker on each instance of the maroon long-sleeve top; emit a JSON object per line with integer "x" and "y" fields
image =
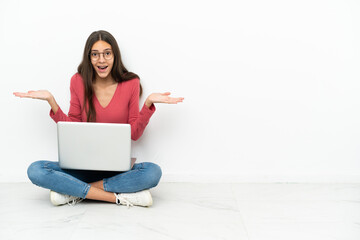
{"x": 123, "y": 107}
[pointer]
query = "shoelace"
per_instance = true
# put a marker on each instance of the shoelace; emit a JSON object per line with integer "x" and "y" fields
{"x": 74, "y": 201}
{"x": 120, "y": 199}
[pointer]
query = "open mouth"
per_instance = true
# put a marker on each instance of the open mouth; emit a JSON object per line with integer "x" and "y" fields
{"x": 102, "y": 68}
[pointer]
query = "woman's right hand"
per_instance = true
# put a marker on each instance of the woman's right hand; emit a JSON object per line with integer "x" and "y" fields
{"x": 40, "y": 94}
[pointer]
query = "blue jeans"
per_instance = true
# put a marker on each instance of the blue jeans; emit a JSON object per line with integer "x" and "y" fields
{"x": 48, "y": 174}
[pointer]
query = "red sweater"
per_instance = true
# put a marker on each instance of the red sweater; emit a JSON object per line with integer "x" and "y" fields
{"x": 123, "y": 107}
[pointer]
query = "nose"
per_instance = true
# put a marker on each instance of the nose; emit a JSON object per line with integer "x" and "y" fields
{"x": 101, "y": 57}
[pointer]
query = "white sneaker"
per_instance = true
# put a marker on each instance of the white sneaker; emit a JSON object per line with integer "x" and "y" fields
{"x": 61, "y": 199}
{"x": 142, "y": 198}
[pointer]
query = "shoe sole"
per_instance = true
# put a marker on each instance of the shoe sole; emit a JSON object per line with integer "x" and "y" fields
{"x": 52, "y": 197}
{"x": 150, "y": 197}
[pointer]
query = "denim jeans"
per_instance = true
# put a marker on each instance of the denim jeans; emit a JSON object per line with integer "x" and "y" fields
{"x": 48, "y": 174}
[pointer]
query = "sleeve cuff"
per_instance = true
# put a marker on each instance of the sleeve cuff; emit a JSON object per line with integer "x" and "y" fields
{"x": 147, "y": 112}
{"x": 56, "y": 117}
{"x": 150, "y": 109}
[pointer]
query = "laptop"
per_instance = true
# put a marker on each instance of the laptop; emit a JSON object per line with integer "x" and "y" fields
{"x": 94, "y": 146}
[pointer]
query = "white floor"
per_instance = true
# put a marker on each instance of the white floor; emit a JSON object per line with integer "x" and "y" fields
{"x": 190, "y": 211}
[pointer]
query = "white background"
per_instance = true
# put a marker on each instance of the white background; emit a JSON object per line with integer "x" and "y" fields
{"x": 271, "y": 87}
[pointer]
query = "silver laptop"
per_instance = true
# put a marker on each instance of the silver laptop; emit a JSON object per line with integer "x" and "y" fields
{"x": 94, "y": 146}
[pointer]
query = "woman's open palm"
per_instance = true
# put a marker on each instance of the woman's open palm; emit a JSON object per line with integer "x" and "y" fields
{"x": 164, "y": 98}
{"x": 40, "y": 94}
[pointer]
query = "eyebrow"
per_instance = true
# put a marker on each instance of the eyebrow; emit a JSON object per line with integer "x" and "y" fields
{"x": 98, "y": 50}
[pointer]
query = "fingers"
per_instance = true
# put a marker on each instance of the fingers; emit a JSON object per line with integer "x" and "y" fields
{"x": 29, "y": 94}
{"x": 174, "y": 100}
{"x": 178, "y": 100}
{"x": 20, "y": 94}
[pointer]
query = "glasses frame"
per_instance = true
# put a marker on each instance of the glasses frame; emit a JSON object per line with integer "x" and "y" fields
{"x": 103, "y": 53}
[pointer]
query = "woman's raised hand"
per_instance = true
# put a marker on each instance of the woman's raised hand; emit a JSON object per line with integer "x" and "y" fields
{"x": 162, "y": 98}
{"x": 40, "y": 94}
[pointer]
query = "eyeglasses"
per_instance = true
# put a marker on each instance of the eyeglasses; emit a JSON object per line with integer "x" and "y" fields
{"x": 108, "y": 55}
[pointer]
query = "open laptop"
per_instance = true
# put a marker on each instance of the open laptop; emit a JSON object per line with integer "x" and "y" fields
{"x": 94, "y": 146}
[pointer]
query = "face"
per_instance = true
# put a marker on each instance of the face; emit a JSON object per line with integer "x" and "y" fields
{"x": 102, "y": 59}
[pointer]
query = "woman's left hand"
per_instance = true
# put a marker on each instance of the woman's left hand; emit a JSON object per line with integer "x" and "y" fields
{"x": 162, "y": 98}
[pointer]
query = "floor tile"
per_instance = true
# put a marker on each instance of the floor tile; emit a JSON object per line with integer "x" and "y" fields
{"x": 180, "y": 211}
{"x": 293, "y": 191}
{"x": 190, "y": 211}
{"x": 301, "y": 231}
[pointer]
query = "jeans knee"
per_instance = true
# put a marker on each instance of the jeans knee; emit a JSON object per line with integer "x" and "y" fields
{"x": 155, "y": 174}
{"x": 35, "y": 172}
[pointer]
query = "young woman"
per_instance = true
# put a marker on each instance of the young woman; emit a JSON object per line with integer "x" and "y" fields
{"x": 101, "y": 91}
